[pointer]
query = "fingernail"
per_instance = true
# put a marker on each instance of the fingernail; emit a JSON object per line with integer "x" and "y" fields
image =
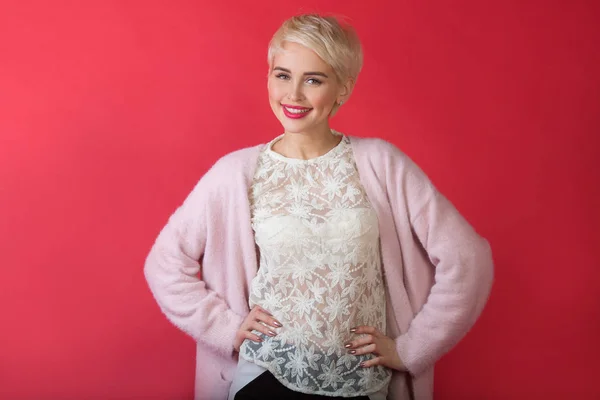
{"x": 277, "y": 324}
{"x": 362, "y": 364}
{"x": 272, "y": 333}
{"x": 352, "y": 351}
{"x": 353, "y": 330}
{"x": 348, "y": 345}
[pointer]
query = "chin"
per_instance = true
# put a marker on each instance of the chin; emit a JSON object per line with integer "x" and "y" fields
{"x": 294, "y": 129}
{"x": 299, "y": 126}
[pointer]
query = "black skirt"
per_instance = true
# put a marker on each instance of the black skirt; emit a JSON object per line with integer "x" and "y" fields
{"x": 266, "y": 387}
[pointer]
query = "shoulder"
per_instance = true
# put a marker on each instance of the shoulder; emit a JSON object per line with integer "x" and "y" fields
{"x": 234, "y": 166}
{"x": 389, "y": 162}
{"x": 238, "y": 160}
{"x": 230, "y": 173}
{"x": 379, "y": 151}
{"x": 404, "y": 181}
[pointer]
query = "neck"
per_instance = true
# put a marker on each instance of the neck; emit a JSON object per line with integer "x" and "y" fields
{"x": 305, "y": 146}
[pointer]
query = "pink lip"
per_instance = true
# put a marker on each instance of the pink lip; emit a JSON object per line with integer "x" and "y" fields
{"x": 295, "y": 116}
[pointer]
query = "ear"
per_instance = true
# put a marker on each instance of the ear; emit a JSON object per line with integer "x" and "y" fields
{"x": 345, "y": 91}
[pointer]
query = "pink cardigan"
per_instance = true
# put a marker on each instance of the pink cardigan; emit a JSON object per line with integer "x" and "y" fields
{"x": 438, "y": 270}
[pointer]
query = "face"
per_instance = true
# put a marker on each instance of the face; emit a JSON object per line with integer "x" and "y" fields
{"x": 303, "y": 89}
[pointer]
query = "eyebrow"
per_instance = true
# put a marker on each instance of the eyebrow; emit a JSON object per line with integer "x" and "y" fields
{"x": 306, "y": 73}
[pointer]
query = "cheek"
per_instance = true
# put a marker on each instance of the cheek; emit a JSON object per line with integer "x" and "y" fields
{"x": 323, "y": 99}
{"x": 275, "y": 91}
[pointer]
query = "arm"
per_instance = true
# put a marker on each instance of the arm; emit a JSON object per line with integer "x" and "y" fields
{"x": 463, "y": 271}
{"x": 172, "y": 268}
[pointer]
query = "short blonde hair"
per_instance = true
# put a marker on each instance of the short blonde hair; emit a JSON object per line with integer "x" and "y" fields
{"x": 335, "y": 41}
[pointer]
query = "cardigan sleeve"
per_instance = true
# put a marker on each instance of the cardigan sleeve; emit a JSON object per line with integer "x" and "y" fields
{"x": 463, "y": 264}
{"x": 172, "y": 271}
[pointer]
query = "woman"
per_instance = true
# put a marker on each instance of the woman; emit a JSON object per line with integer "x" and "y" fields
{"x": 330, "y": 265}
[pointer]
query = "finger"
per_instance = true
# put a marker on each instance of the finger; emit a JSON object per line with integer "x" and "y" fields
{"x": 257, "y": 326}
{"x": 372, "y": 362}
{"x": 361, "y": 341}
{"x": 365, "y": 329}
{"x": 252, "y": 336}
{"x": 267, "y": 319}
{"x": 259, "y": 308}
{"x": 370, "y": 348}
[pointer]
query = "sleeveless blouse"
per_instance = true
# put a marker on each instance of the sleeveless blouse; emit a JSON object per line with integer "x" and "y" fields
{"x": 319, "y": 272}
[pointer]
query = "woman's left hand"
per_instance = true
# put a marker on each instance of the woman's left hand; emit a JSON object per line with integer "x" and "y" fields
{"x": 373, "y": 341}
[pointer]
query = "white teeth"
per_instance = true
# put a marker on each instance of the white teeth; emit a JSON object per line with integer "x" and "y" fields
{"x": 297, "y": 111}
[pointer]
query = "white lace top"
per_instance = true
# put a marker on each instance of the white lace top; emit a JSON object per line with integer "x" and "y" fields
{"x": 319, "y": 273}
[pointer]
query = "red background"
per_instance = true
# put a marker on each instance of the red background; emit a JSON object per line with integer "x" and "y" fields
{"x": 111, "y": 110}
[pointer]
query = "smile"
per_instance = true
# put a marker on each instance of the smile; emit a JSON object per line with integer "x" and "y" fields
{"x": 295, "y": 112}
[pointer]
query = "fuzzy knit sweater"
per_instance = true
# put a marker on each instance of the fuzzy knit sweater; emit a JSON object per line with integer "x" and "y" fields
{"x": 438, "y": 271}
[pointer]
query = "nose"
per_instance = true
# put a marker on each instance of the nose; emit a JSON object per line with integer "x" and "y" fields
{"x": 295, "y": 93}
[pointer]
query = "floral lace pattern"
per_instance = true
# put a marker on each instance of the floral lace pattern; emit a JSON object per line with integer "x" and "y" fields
{"x": 320, "y": 272}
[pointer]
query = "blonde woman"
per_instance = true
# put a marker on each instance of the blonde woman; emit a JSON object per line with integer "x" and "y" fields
{"x": 330, "y": 265}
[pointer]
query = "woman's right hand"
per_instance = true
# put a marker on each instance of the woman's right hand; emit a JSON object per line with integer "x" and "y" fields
{"x": 253, "y": 322}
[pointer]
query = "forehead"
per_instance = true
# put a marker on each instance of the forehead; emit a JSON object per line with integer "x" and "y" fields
{"x": 298, "y": 58}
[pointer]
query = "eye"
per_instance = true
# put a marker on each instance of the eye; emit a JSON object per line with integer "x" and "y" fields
{"x": 313, "y": 81}
{"x": 282, "y": 76}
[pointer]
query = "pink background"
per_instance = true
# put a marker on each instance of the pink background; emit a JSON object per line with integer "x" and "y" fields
{"x": 111, "y": 110}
